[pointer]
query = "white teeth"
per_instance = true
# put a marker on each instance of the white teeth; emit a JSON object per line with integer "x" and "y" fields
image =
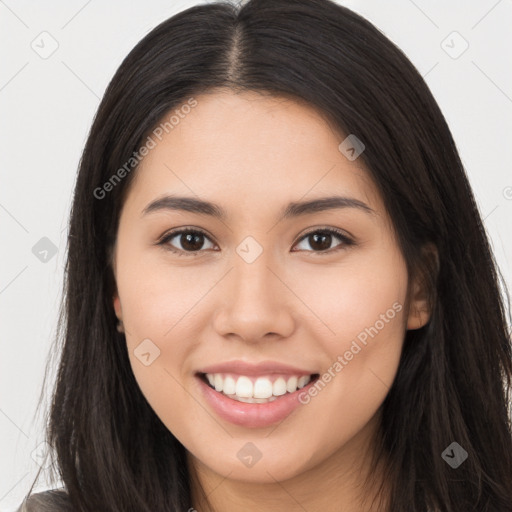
{"x": 244, "y": 387}
{"x": 229, "y": 386}
{"x": 279, "y": 387}
{"x": 303, "y": 381}
{"x": 262, "y": 388}
{"x": 218, "y": 382}
{"x": 291, "y": 385}
{"x": 261, "y": 391}
{"x": 254, "y": 400}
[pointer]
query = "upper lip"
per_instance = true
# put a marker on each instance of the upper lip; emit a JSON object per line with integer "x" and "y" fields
{"x": 263, "y": 367}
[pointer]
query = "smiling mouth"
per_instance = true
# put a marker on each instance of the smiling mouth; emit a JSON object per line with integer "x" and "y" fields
{"x": 256, "y": 390}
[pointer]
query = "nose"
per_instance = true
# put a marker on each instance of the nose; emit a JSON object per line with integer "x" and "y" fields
{"x": 256, "y": 303}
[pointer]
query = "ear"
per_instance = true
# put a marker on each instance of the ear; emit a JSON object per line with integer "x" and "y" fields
{"x": 116, "y": 301}
{"x": 117, "y": 307}
{"x": 119, "y": 313}
{"x": 419, "y": 307}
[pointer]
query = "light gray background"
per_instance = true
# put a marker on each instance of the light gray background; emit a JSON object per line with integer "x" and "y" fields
{"x": 46, "y": 109}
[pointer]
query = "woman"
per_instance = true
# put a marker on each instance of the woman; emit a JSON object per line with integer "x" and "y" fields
{"x": 279, "y": 291}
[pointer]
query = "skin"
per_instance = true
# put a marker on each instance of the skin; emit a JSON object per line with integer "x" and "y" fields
{"x": 252, "y": 154}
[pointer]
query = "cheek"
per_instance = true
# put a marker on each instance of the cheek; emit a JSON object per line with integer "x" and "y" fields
{"x": 158, "y": 312}
{"x": 362, "y": 308}
{"x": 363, "y": 299}
{"x": 158, "y": 299}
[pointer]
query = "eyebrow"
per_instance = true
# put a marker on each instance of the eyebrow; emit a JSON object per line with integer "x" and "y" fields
{"x": 293, "y": 209}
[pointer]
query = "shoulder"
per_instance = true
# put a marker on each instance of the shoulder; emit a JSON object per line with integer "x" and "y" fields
{"x": 55, "y": 500}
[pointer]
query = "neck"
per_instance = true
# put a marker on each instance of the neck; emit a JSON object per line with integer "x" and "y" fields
{"x": 346, "y": 481}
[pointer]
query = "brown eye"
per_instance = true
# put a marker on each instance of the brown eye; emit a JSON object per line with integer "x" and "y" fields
{"x": 185, "y": 241}
{"x": 191, "y": 241}
{"x": 321, "y": 240}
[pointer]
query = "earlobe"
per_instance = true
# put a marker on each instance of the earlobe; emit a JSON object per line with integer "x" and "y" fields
{"x": 119, "y": 313}
{"x": 419, "y": 306}
{"x": 419, "y": 315}
{"x": 117, "y": 306}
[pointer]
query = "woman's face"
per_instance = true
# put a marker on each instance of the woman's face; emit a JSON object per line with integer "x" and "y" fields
{"x": 262, "y": 299}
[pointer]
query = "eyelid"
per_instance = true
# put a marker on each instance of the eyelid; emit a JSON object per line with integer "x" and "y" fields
{"x": 168, "y": 235}
{"x": 347, "y": 240}
{"x": 330, "y": 229}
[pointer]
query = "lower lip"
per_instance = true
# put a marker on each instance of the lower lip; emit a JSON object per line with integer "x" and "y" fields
{"x": 252, "y": 415}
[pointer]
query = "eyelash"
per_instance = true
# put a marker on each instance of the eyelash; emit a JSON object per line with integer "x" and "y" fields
{"x": 331, "y": 231}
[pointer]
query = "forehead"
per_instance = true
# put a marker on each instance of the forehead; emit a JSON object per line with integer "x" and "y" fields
{"x": 251, "y": 148}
